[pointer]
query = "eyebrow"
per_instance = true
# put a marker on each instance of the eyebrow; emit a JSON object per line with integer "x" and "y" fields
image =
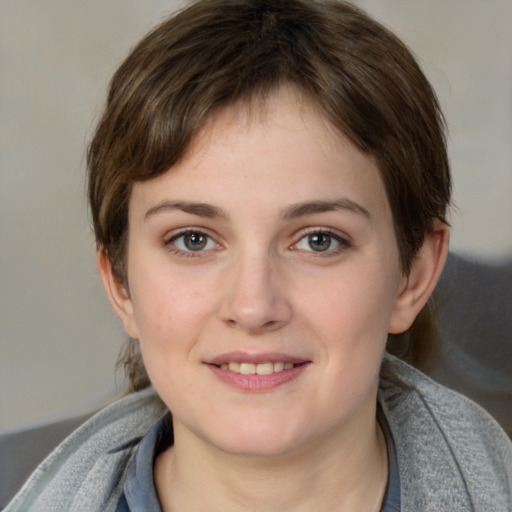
{"x": 311, "y": 207}
{"x": 199, "y": 209}
{"x": 291, "y": 212}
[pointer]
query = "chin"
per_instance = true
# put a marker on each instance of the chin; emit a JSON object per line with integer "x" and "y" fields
{"x": 261, "y": 448}
{"x": 272, "y": 441}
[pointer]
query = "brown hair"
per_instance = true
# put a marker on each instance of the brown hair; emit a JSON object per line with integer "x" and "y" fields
{"x": 218, "y": 52}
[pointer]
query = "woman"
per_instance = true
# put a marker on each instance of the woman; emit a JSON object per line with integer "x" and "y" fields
{"x": 269, "y": 187}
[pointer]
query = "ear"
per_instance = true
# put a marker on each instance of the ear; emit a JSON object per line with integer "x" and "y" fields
{"x": 117, "y": 294}
{"x": 418, "y": 285}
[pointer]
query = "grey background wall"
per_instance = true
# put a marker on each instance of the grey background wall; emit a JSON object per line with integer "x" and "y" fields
{"x": 59, "y": 339}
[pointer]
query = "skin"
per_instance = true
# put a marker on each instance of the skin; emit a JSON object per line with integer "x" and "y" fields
{"x": 294, "y": 254}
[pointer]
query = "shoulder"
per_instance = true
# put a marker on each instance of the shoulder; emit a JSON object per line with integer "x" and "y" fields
{"x": 452, "y": 455}
{"x": 87, "y": 468}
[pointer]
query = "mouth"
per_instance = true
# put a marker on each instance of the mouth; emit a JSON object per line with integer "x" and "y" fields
{"x": 267, "y": 368}
{"x": 257, "y": 372}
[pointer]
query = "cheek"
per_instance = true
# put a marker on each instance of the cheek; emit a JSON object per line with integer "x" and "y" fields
{"x": 169, "y": 308}
{"x": 351, "y": 307}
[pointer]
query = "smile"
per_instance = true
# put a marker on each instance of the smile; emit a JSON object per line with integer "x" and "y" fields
{"x": 257, "y": 372}
{"x": 256, "y": 369}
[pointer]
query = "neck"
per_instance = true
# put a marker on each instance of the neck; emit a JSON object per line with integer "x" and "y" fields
{"x": 346, "y": 471}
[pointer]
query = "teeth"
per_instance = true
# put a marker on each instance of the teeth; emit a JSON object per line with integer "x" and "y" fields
{"x": 259, "y": 369}
{"x": 265, "y": 368}
{"x": 234, "y": 367}
{"x": 247, "y": 368}
{"x": 278, "y": 367}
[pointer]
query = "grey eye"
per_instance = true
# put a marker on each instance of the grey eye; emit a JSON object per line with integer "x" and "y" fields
{"x": 193, "y": 241}
{"x": 319, "y": 242}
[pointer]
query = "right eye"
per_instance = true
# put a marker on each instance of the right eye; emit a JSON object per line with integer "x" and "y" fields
{"x": 191, "y": 242}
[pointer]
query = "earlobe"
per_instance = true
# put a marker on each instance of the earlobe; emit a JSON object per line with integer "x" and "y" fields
{"x": 117, "y": 294}
{"x": 418, "y": 285}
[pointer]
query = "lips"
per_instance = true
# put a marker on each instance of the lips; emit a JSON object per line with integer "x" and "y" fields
{"x": 242, "y": 357}
{"x": 257, "y": 372}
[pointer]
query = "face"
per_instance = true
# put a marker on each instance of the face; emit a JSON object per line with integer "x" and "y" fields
{"x": 263, "y": 275}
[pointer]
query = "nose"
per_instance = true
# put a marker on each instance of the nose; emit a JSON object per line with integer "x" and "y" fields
{"x": 255, "y": 297}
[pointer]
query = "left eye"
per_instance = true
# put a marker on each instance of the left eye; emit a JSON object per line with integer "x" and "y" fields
{"x": 193, "y": 241}
{"x": 319, "y": 242}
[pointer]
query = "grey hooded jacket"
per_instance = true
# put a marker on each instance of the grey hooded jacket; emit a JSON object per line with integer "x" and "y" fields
{"x": 452, "y": 456}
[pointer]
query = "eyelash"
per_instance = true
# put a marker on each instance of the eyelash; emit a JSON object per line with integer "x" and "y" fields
{"x": 342, "y": 242}
{"x": 169, "y": 243}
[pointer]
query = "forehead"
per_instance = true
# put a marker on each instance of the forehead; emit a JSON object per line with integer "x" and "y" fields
{"x": 297, "y": 109}
{"x": 275, "y": 151}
